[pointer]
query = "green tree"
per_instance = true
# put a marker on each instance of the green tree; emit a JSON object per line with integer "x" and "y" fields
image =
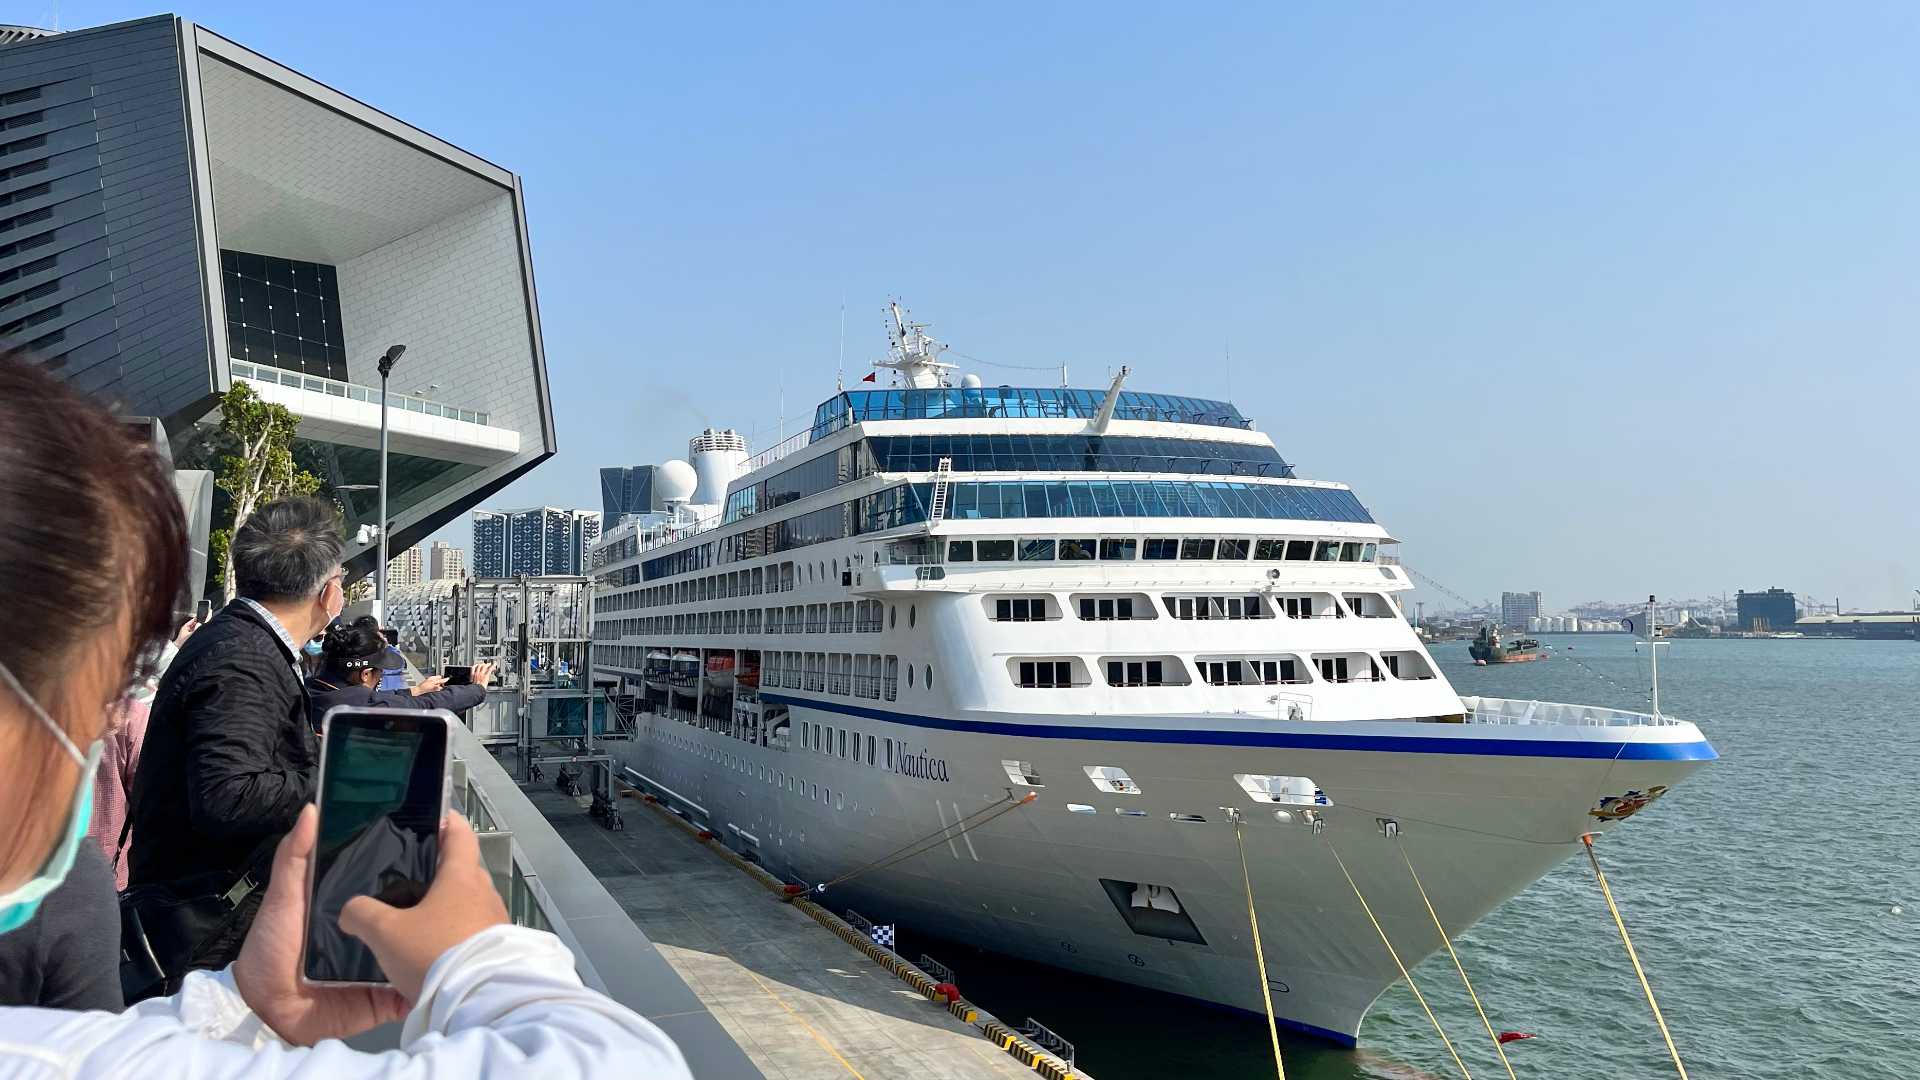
{"x": 255, "y": 466}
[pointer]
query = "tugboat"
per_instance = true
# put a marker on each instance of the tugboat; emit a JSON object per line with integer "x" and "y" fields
{"x": 1487, "y": 648}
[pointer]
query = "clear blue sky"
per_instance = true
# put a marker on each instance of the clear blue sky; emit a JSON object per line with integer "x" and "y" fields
{"x": 1601, "y": 300}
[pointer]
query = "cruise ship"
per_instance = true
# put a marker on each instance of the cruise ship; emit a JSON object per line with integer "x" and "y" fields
{"x": 1031, "y": 668}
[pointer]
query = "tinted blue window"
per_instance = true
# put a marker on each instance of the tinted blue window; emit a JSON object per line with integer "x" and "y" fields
{"x": 1159, "y": 498}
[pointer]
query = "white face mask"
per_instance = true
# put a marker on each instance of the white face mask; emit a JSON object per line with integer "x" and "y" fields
{"x": 18, "y": 906}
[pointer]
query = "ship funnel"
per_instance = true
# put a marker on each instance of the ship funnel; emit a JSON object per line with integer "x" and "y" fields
{"x": 717, "y": 458}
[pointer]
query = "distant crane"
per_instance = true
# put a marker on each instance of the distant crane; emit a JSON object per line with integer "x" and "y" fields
{"x": 1469, "y": 605}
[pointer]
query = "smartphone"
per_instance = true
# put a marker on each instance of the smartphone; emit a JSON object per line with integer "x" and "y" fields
{"x": 383, "y": 793}
{"x": 203, "y": 611}
{"x": 457, "y": 674}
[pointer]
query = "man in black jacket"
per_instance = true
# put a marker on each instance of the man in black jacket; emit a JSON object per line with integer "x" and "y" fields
{"x": 229, "y": 757}
{"x": 354, "y": 656}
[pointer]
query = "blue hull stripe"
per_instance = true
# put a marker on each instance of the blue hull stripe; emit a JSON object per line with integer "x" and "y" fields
{"x": 1397, "y": 744}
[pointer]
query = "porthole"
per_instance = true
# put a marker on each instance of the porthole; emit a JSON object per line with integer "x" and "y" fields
{"x": 928, "y": 676}
{"x": 893, "y": 617}
{"x": 909, "y": 676}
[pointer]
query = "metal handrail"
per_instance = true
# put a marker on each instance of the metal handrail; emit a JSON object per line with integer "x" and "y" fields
{"x": 1487, "y": 710}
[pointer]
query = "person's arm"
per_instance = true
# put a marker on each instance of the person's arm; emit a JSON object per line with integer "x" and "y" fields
{"x": 453, "y": 698}
{"x": 234, "y": 715}
{"x": 82, "y": 969}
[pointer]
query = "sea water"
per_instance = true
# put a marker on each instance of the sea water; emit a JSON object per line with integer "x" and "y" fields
{"x": 1774, "y": 898}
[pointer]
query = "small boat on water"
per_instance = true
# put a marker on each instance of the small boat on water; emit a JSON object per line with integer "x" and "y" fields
{"x": 1488, "y": 648}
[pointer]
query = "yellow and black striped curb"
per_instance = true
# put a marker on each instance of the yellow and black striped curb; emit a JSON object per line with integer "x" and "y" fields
{"x": 1016, "y": 1045}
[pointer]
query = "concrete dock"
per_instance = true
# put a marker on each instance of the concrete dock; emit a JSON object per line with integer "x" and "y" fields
{"x": 801, "y": 1002}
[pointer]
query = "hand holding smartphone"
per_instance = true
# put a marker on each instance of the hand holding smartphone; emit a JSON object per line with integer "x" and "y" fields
{"x": 383, "y": 795}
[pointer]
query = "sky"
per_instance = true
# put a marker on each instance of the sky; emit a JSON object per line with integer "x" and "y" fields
{"x": 1600, "y": 300}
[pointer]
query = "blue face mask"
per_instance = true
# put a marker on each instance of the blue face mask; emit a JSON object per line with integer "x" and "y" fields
{"x": 17, "y": 906}
{"x": 311, "y": 648}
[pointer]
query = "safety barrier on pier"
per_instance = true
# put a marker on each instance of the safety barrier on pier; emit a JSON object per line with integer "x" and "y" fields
{"x": 1013, "y": 1042}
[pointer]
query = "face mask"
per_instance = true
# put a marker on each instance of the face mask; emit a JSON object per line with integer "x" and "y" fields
{"x": 312, "y": 648}
{"x": 18, "y": 906}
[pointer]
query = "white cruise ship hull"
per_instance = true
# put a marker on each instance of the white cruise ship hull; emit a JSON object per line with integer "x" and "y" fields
{"x": 1481, "y": 809}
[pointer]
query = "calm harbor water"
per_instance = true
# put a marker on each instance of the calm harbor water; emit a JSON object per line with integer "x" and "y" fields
{"x": 1774, "y": 897}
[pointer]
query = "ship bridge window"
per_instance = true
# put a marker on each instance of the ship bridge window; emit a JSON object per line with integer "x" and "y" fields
{"x": 1119, "y": 549}
{"x": 994, "y": 550}
{"x": 1044, "y": 674}
{"x": 1161, "y": 548}
{"x": 1036, "y": 551}
{"x": 1348, "y": 667}
{"x": 1299, "y": 550}
{"x": 1251, "y": 670}
{"x": 1370, "y": 605}
{"x": 1269, "y": 549}
{"x": 1233, "y": 547}
{"x": 1076, "y": 549}
{"x": 1145, "y": 671}
{"x": 1326, "y": 551}
{"x": 1195, "y": 547}
{"x": 1020, "y": 609}
{"x": 959, "y": 551}
{"x": 1410, "y": 666}
{"x": 1111, "y": 608}
{"x": 1215, "y": 607}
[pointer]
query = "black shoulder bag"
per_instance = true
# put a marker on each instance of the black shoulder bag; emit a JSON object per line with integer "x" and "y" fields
{"x": 164, "y": 926}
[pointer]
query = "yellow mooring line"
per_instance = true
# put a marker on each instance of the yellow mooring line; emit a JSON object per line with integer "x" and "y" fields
{"x": 1259, "y": 955}
{"x": 1587, "y": 839}
{"x": 1404, "y": 973}
{"x": 1457, "y": 966}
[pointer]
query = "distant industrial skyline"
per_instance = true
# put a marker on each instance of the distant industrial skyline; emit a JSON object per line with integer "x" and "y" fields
{"x": 1603, "y": 302}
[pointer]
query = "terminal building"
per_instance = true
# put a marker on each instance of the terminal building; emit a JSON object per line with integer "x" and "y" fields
{"x": 179, "y": 213}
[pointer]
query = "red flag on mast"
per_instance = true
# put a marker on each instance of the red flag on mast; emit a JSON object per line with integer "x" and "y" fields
{"x": 868, "y": 377}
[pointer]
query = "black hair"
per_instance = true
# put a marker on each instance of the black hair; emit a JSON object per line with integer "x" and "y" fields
{"x": 287, "y": 549}
{"x": 92, "y": 540}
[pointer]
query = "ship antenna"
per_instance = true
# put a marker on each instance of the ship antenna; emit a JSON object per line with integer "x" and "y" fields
{"x": 1653, "y": 650}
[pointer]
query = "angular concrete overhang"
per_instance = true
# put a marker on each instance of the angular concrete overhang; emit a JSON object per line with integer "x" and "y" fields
{"x": 430, "y": 247}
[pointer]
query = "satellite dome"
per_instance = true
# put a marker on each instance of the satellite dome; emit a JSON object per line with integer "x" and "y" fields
{"x": 674, "y": 481}
{"x": 970, "y": 381}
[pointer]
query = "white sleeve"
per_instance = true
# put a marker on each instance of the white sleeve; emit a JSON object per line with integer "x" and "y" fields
{"x": 505, "y": 1002}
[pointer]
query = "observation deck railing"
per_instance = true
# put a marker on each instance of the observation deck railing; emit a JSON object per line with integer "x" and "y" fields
{"x": 1486, "y": 710}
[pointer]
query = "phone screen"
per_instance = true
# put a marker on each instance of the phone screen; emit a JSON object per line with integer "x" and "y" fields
{"x": 203, "y": 610}
{"x": 458, "y": 674}
{"x": 382, "y": 794}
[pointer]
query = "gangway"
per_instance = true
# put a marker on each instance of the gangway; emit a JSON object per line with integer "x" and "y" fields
{"x": 537, "y": 631}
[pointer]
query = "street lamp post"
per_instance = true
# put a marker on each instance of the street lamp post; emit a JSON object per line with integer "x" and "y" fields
{"x": 387, "y": 361}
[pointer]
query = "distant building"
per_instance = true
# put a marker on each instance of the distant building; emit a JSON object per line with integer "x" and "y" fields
{"x": 489, "y": 544}
{"x": 1517, "y": 607}
{"x": 586, "y": 533}
{"x": 536, "y": 541}
{"x": 405, "y": 568}
{"x": 1774, "y": 609}
{"x": 445, "y": 561}
{"x": 627, "y": 490}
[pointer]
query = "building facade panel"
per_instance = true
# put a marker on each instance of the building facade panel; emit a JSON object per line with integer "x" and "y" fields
{"x": 115, "y": 122}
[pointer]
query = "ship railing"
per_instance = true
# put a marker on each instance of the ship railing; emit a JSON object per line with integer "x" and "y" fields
{"x": 866, "y": 686}
{"x": 798, "y": 441}
{"x": 868, "y": 625}
{"x": 837, "y": 684}
{"x": 1485, "y": 710}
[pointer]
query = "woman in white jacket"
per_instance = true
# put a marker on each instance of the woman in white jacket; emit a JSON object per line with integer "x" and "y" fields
{"x": 92, "y": 552}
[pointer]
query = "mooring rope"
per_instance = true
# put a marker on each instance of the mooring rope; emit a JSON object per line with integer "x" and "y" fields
{"x": 1626, "y": 940}
{"x": 1404, "y": 973}
{"x": 932, "y": 840}
{"x": 1457, "y": 966}
{"x": 1259, "y": 954}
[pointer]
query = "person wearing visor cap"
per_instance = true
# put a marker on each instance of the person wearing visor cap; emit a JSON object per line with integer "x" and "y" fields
{"x": 354, "y": 655}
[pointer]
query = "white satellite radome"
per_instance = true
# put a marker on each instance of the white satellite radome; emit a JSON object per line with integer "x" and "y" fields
{"x": 674, "y": 481}
{"x": 970, "y": 381}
